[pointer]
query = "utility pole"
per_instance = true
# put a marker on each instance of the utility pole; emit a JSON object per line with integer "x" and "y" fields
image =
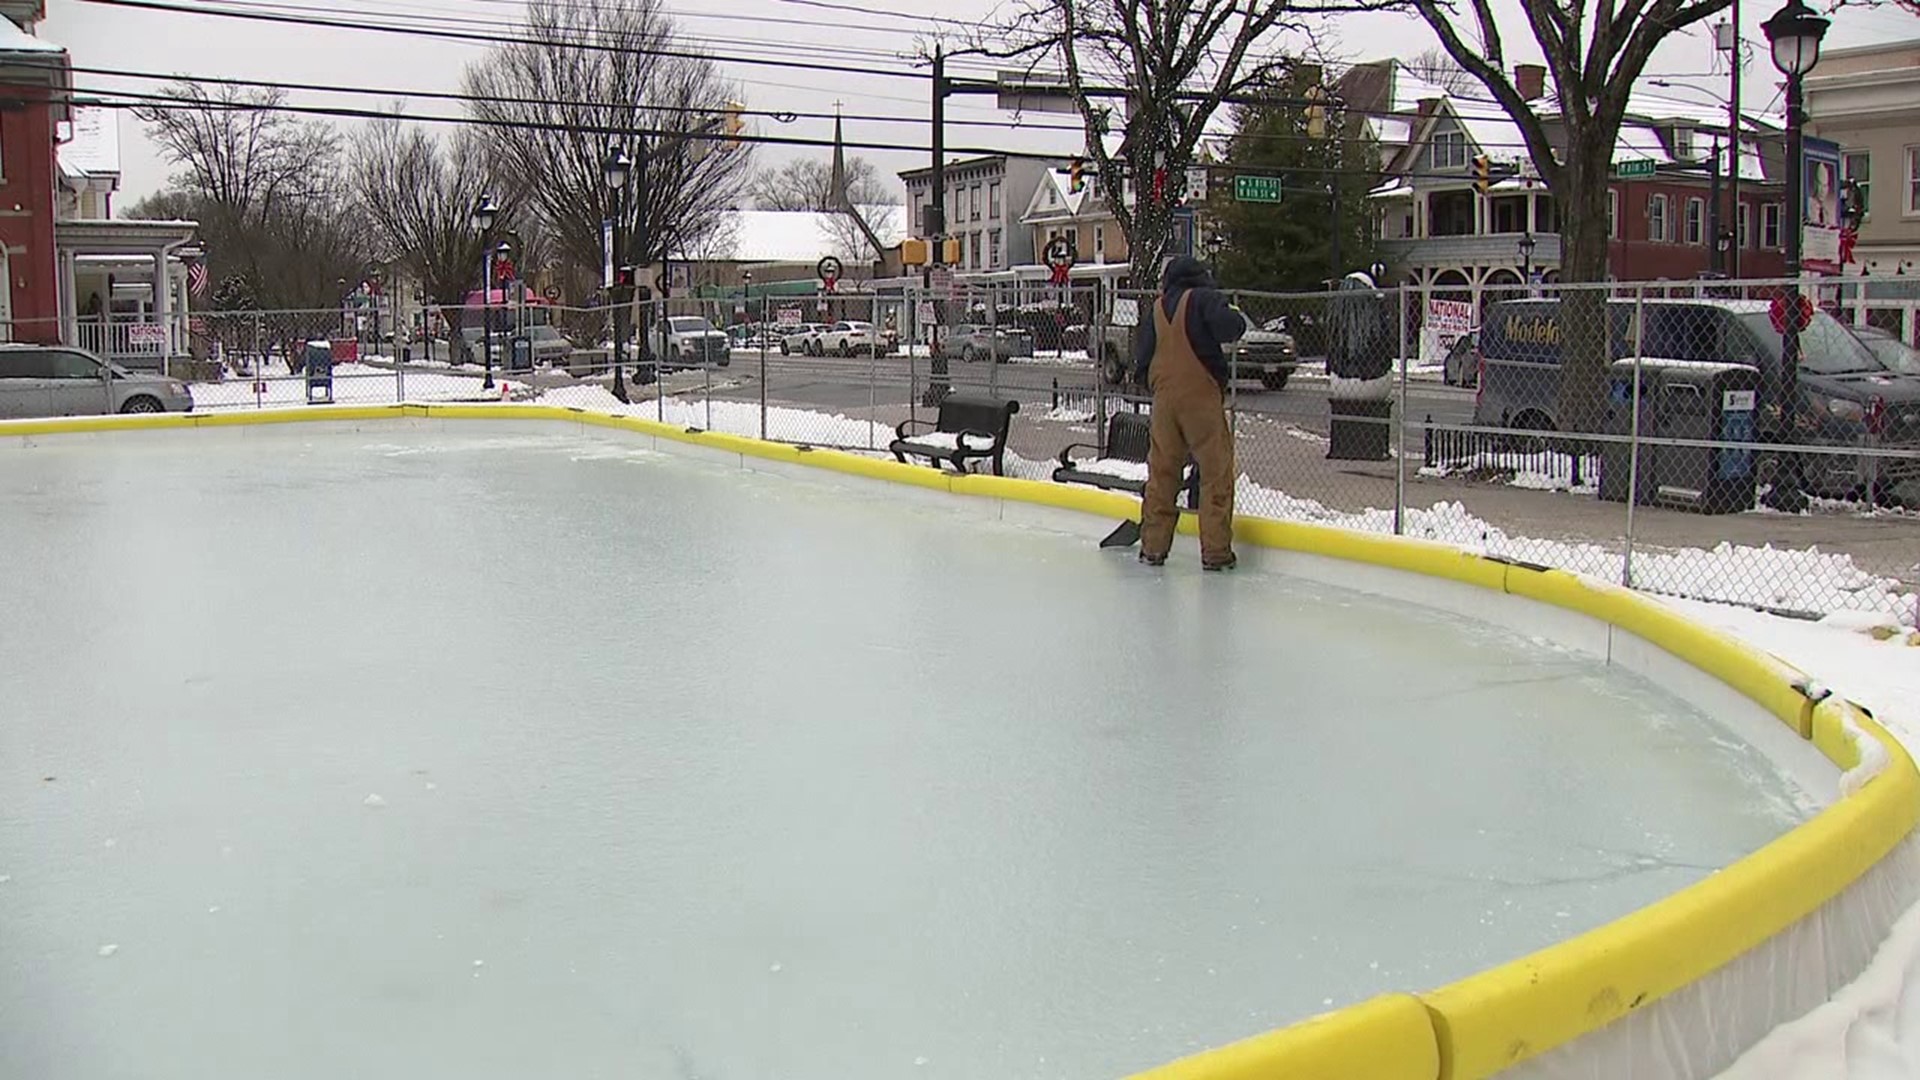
{"x": 1715, "y": 260}
{"x": 937, "y": 385}
{"x": 1733, "y": 140}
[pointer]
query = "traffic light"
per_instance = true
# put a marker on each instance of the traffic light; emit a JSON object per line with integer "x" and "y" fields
{"x": 913, "y": 252}
{"x": 1076, "y": 176}
{"x": 1482, "y": 173}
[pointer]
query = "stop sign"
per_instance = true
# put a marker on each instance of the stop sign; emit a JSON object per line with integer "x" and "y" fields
{"x": 1802, "y": 313}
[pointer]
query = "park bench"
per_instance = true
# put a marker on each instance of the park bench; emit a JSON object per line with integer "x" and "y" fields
{"x": 1129, "y": 437}
{"x": 968, "y": 428}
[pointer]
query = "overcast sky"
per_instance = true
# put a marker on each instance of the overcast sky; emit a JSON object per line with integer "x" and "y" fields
{"x": 168, "y": 43}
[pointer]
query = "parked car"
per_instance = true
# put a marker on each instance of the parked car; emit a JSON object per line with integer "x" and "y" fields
{"x": 800, "y": 339}
{"x": 1461, "y": 367}
{"x": 1839, "y": 379}
{"x": 1891, "y": 351}
{"x": 689, "y": 341}
{"x": 44, "y": 380}
{"x": 845, "y": 339}
{"x": 974, "y": 341}
{"x": 1266, "y": 352}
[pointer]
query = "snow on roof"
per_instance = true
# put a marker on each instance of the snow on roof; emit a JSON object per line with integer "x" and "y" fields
{"x": 1409, "y": 89}
{"x": 1637, "y": 142}
{"x": 95, "y": 146}
{"x": 1490, "y": 128}
{"x": 796, "y": 236}
{"x": 15, "y": 40}
{"x": 1052, "y": 198}
{"x": 1397, "y": 188}
{"x": 1393, "y": 130}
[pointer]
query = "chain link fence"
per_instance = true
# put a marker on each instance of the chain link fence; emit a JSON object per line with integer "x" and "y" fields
{"x": 1720, "y": 441}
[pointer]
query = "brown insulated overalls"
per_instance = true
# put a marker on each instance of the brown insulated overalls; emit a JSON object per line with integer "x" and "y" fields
{"x": 1189, "y": 417}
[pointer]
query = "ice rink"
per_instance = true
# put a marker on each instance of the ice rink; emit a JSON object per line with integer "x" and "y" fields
{"x": 408, "y": 752}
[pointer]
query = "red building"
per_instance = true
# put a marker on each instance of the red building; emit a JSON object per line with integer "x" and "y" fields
{"x": 34, "y": 78}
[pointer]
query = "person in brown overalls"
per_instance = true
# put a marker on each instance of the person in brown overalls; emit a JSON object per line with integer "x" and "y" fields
{"x": 1180, "y": 355}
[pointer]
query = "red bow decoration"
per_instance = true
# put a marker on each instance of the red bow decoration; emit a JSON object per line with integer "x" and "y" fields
{"x": 1848, "y": 237}
{"x": 1060, "y": 273}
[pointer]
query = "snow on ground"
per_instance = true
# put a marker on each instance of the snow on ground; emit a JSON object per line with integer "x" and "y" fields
{"x": 734, "y": 417}
{"x": 1870, "y": 1029}
{"x": 1536, "y": 472}
{"x": 356, "y": 384}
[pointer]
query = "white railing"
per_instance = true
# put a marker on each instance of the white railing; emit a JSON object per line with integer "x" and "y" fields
{"x": 127, "y": 339}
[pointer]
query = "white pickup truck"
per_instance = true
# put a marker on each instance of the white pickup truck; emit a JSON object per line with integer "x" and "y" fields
{"x": 690, "y": 341}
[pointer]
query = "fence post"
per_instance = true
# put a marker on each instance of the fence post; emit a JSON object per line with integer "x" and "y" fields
{"x": 763, "y": 370}
{"x": 992, "y": 292}
{"x": 1400, "y": 428}
{"x": 873, "y": 371}
{"x": 1633, "y": 436}
{"x": 1096, "y": 349}
{"x": 259, "y": 364}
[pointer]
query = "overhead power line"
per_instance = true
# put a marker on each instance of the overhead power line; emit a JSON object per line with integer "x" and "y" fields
{"x": 493, "y": 39}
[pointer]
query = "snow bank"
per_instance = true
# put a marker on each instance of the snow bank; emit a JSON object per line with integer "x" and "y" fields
{"x": 353, "y": 383}
{"x": 732, "y": 417}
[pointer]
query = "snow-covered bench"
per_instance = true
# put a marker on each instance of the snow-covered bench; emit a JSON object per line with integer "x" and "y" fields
{"x": 969, "y": 427}
{"x": 1124, "y": 466}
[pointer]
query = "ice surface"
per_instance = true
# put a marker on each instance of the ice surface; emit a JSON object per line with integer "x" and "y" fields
{"x": 983, "y": 795}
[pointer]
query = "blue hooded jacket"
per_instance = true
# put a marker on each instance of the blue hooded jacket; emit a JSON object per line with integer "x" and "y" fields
{"x": 1212, "y": 322}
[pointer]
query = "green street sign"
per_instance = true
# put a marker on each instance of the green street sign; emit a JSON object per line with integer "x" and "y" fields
{"x": 1256, "y": 188}
{"x": 1629, "y": 170}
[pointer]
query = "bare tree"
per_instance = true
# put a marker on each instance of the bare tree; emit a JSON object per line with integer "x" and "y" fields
{"x": 1594, "y": 55}
{"x": 1440, "y": 69}
{"x": 1175, "y": 62}
{"x": 807, "y": 184}
{"x": 419, "y": 191}
{"x": 556, "y": 106}
{"x": 265, "y": 187}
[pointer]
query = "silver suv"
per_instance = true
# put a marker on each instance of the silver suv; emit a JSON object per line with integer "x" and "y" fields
{"x": 57, "y": 380}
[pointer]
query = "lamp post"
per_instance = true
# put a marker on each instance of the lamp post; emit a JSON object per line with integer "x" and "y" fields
{"x": 1794, "y": 32}
{"x": 1526, "y": 262}
{"x": 484, "y": 215}
{"x": 615, "y": 170}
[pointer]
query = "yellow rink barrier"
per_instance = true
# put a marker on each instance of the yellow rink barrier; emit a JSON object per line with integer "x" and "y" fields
{"x": 1487, "y": 1022}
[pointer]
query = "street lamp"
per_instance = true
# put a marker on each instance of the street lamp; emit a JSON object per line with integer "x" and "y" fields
{"x": 615, "y": 170}
{"x": 1526, "y": 260}
{"x": 1794, "y": 32}
{"x": 484, "y": 215}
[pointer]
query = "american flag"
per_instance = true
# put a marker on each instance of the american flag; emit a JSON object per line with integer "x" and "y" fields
{"x": 197, "y": 277}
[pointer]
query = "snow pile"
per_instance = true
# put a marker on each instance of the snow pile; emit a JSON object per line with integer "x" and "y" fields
{"x": 949, "y": 440}
{"x": 732, "y": 417}
{"x": 1115, "y": 467}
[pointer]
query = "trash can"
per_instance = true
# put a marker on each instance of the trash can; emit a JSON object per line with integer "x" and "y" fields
{"x": 520, "y": 354}
{"x": 1360, "y": 422}
{"x": 319, "y": 371}
{"x": 1616, "y": 455}
{"x": 1691, "y": 401}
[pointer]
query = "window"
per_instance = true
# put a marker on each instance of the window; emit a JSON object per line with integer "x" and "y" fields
{"x": 1099, "y": 242}
{"x": 1857, "y": 166}
{"x": 993, "y": 244}
{"x": 1657, "y": 219}
{"x": 1613, "y": 215}
{"x": 1913, "y": 180}
{"x": 1770, "y": 225}
{"x": 1449, "y": 150}
{"x": 976, "y": 248}
{"x": 973, "y": 200}
{"x": 1746, "y": 225}
{"x": 26, "y": 364}
{"x": 1683, "y": 144}
{"x": 920, "y": 218}
{"x": 72, "y": 365}
{"x": 1695, "y": 222}
{"x": 993, "y": 200}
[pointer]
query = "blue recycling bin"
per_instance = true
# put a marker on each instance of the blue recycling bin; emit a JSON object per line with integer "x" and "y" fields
{"x": 319, "y": 371}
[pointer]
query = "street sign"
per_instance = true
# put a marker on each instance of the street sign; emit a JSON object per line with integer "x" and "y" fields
{"x": 923, "y": 312}
{"x": 940, "y": 282}
{"x": 1639, "y": 167}
{"x": 1196, "y": 182}
{"x": 606, "y": 253}
{"x": 788, "y": 316}
{"x": 1256, "y": 189}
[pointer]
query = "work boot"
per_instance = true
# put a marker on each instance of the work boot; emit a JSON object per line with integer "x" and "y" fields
{"x": 1153, "y": 560}
{"x": 1227, "y": 563}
